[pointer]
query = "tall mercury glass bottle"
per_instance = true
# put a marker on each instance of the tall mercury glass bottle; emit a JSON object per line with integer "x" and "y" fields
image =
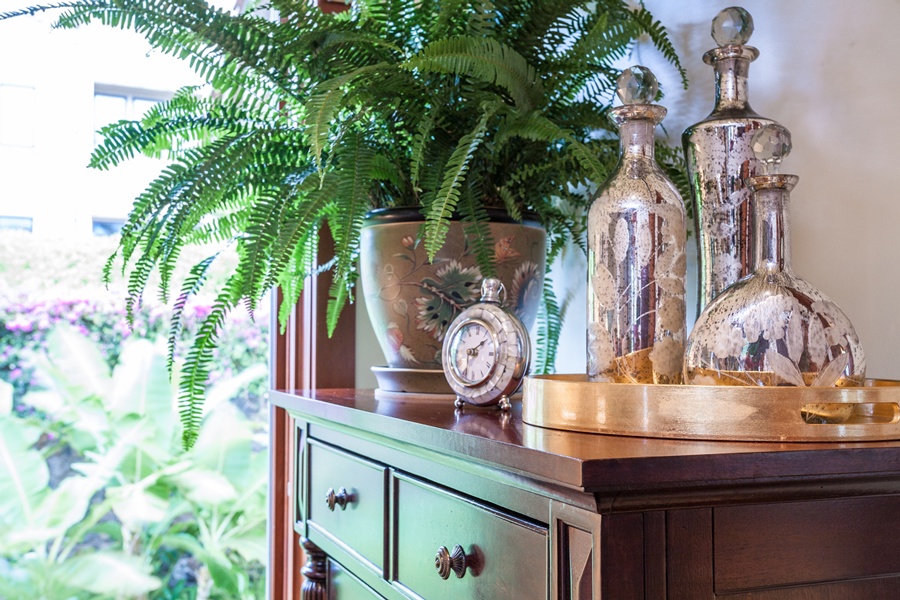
{"x": 636, "y": 260}
{"x": 772, "y": 327}
{"x": 719, "y": 159}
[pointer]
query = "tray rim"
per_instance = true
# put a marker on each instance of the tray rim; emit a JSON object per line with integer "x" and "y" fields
{"x": 571, "y": 403}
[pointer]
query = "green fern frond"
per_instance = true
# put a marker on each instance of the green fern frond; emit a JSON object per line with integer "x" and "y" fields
{"x": 325, "y": 100}
{"x": 40, "y": 8}
{"x": 660, "y": 38}
{"x": 544, "y": 28}
{"x": 417, "y": 155}
{"x": 265, "y": 219}
{"x": 309, "y": 202}
{"x": 195, "y": 371}
{"x": 477, "y": 232}
{"x": 549, "y": 326}
{"x": 484, "y": 59}
{"x": 192, "y": 284}
{"x": 383, "y": 169}
{"x": 137, "y": 281}
{"x": 444, "y": 203}
{"x": 292, "y": 275}
{"x": 483, "y": 19}
{"x": 109, "y": 267}
{"x": 447, "y": 22}
{"x": 537, "y": 127}
{"x": 353, "y": 182}
{"x": 510, "y": 203}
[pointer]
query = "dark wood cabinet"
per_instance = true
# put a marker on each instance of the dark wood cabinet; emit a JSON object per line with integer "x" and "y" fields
{"x": 391, "y": 497}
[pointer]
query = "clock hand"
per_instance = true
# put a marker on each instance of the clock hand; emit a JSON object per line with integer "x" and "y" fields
{"x": 463, "y": 365}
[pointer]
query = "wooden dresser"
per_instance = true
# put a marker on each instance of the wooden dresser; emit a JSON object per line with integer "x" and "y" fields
{"x": 419, "y": 500}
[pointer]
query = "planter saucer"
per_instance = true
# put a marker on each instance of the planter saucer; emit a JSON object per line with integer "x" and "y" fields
{"x": 412, "y": 381}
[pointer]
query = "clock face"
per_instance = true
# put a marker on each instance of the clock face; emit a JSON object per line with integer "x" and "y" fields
{"x": 485, "y": 354}
{"x": 473, "y": 353}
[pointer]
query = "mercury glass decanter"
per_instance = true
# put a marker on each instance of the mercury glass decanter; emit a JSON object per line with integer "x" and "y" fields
{"x": 771, "y": 327}
{"x": 719, "y": 159}
{"x": 636, "y": 261}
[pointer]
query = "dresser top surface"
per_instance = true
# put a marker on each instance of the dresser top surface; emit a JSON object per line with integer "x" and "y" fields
{"x": 591, "y": 462}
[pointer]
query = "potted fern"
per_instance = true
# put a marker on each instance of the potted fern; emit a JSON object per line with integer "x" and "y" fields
{"x": 450, "y": 107}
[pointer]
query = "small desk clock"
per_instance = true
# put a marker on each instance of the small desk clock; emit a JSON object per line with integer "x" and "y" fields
{"x": 486, "y": 351}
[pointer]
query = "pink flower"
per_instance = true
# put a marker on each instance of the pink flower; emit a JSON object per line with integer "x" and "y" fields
{"x": 408, "y": 241}
{"x": 394, "y": 336}
{"x": 20, "y": 323}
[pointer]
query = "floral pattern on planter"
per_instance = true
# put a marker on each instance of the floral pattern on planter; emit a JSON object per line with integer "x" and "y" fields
{"x": 412, "y": 302}
{"x": 445, "y": 295}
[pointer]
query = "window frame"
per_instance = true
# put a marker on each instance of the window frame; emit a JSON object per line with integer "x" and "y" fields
{"x": 302, "y": 358}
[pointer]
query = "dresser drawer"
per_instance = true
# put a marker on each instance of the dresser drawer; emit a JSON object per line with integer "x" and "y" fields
{"x": 506, "y": 557}
{"x": 342, "y": 585}
{"x": 347, "y": 502}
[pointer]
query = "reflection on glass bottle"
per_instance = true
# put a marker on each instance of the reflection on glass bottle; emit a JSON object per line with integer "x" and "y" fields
{"x": 636, "y": 261}
{"x": 719, "y": 159}
{"x": 771, "y": 327}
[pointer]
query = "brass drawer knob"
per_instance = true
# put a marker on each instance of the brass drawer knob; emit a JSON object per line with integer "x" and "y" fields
{"x": 341, "y": 498}
{"x": 446, "y": 561}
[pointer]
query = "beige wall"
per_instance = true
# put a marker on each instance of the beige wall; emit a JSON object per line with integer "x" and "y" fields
{"x": 826, "y": 71}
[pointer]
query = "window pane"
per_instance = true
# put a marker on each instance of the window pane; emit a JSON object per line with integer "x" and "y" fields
{"x": 107, "y": 109}
{"x": 17, "y": 115}
{"x": 141, "y": 106}
{"x": 23, "y": 223}
{"x": 106, "y": 226}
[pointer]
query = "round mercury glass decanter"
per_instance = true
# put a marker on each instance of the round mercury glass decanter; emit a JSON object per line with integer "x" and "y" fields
{"x": 719, "y": 158}
{"x": 771, "y": 327}
{"x": 636, "y": 262}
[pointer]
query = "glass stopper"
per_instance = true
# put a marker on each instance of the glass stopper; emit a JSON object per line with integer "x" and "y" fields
{"x": 770, "y": 145}
{"x": 732, "y": 25}
{"x": 637, "y": 85}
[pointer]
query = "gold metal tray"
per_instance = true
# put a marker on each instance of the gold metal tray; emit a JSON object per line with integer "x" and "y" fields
{"x": 782, "y": 414}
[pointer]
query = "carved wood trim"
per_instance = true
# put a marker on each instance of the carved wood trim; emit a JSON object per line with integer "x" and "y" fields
{"x": 315, "y": 573}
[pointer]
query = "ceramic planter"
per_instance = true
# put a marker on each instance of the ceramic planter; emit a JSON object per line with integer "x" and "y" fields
{"x": 411, "y": 301}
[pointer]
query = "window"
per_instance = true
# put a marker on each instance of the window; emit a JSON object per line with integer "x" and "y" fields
{"x": 17, "y": 115}
{"x": 113, "y": 103}
{"x": 101, "y": 227}
{"x": 21, "y": 223}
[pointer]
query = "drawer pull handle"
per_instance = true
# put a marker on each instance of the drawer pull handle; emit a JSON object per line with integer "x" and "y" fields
{"x": 341, "y": 498}
{"x": 446, "y": 561}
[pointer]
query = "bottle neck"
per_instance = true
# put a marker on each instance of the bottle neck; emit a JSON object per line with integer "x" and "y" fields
{"x": 732, "y": 66}
{"x": 636, "y": 139}
{"x": 772, "y": 232}
{"x": 731, "y": 84}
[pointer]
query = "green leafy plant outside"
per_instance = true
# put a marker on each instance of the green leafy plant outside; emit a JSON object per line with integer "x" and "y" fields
{"x": 452, "y": 105}
{"x": 132, "y": 501}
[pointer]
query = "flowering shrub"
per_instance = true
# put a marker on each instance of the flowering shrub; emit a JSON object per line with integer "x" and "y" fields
{"x": 43, "y": 285}
{"x": 25, "y": 323}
